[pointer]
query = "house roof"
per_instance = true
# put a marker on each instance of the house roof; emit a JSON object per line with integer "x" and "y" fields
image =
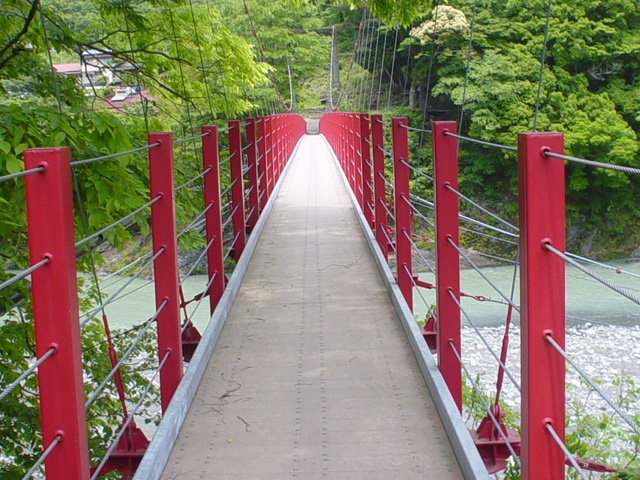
{"x": 68, "y": 68}
{"x": 133, "y": 97}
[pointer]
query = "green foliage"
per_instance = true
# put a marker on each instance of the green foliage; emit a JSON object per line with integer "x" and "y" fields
{"x": 589, "y": 92}
{"x": 396, "y": 12}
{"x": 601, "y": 436}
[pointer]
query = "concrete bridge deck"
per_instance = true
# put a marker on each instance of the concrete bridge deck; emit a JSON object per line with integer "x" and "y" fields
{"x": 312, "y": 376}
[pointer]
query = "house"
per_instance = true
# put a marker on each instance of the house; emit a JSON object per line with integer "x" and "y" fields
{"x": 98, "y": 69}
{"x": 126, "y": 96}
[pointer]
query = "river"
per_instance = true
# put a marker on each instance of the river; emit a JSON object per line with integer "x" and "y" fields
{"x": 586, "y": 299}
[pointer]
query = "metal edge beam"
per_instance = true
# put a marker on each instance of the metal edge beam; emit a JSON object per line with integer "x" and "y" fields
{"x": 155, "y": 459}
{"x": 472, "y": 466}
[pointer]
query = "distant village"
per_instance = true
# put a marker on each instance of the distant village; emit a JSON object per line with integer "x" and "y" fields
{"x": 99, "y": 71}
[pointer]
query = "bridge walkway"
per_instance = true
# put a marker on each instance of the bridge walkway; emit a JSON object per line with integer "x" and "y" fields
{"x": 312, "y": 376}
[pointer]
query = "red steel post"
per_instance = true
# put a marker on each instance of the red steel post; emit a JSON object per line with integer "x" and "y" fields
{"x": 55, "y": 312}
{"x": 445, "y": 166}
{"x": 165, "y": 269}
{"x": 354, "y": 154}
{"x": 237, "y": 188}
{"x": 542, "y": 300}
{"x": 270, "y": 155}
{"x": 254, "y": 206}
{"x": 263, "y": 173}
{"x": 367, "y": 186}
{"x": 359, "y": 160}
{"x": 379, "y": 184}
{"x": 213, "y": 217}
{"x": 404, "y": 218}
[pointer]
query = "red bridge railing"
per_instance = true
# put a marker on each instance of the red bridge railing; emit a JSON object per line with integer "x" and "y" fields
{"x": 254, "y": 170}
{"x": 391, "y": 209}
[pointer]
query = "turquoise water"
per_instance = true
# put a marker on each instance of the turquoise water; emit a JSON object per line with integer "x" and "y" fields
{"x": 586, "y": 299}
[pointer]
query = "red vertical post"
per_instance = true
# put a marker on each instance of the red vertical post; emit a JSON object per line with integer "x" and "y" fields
{"x": 354, "y": 154}
{"x": 165, "y": 267}
{"x": 277, "y": 146}
{"x": 542, "y": 300}
{"x": 367, "y": 186}
{"x": 379, "y": 184}
{"x": 445, "y": 167}
{"x": 358, "y": 156}
{"x": 254, "y": 206}
{"x": 237, "y": 188}
{"x": 404, "y": 218}
{"x": 270, "y": 154}
{"x": 281, "y": 158}
{"x": 55, "y": 312}
{"x": 213, "y": 217}
{"x": 263, "y": 173}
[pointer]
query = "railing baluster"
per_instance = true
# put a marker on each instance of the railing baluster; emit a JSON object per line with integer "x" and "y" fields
{"x": 367, "y": 186}
{"x": 403, "y": 210}
{"x": 213, "y": 217}
{"x": 254, "y": 207}
{"x": 55, "y": 313}
{"x": 237, "y": 189}
{"x": 163, "y": 226}
{"x": 379, "y": 184}
{"x": 445, "y": 166}
{"x": 542, "y": 303}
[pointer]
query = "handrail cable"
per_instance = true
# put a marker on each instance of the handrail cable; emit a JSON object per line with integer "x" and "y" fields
{"x": 484, "y": 340}
{"x": 124, "y": 356}
{"x": 594, "y": 275}
{"x": 100, "y": 307}
{"x": 33, "y": 367}
{"x": 115, "y": 155}
{"x": 589, "y": 380}
{"x": 117, "y": 222}
{"x": 499, "y": 427}
{"x": 123, "y": 429}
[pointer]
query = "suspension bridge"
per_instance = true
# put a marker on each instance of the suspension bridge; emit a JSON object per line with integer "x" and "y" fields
{"x": 312, "y": 364}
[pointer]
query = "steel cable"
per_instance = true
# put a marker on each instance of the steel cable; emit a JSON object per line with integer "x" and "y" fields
{"x": 117, "y": 222}
{"x": 77, "y": 163}
{"x": 593, "y": 385}
{"x": 24, "y": 273}
{"x": 419, "y": 292}
{"x": 591, "y": 163}
{"x": 9, "y": 388}
{"x": 115, "y": 441}
{"x": 42, "y": 457}
{"x": 484, "y": 340}
{"x": 483, "y": 275}
{"x": 565, "y": 450}
{"x": 594, "y": 275}
{"x": 484, "y": 403}
{"x": 194, "y": 179}
{"x": 23, "y": 173}
{"x": 124, "y": 356}
{"x": 481, "y": 208}
{"x": 198, "y": 260}
{"x": 109, "y": 300}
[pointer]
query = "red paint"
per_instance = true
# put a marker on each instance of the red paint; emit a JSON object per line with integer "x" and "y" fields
{"x": 359, "y": 160}
{"x": 213, "y": 217}
{"x": 379, "y": 184}
{"x": 263, "y": 173}
{"x": 367, "y": 180}
{"x": 55, "y": 312}
{"x": 163, "y": 226}
{"x": 445, "y": 167}
{"x": 253, "y": 205}
{"x": 237, "y": 190}
{"x": 542, "y": 300}
{"x": 403, "y": 213}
